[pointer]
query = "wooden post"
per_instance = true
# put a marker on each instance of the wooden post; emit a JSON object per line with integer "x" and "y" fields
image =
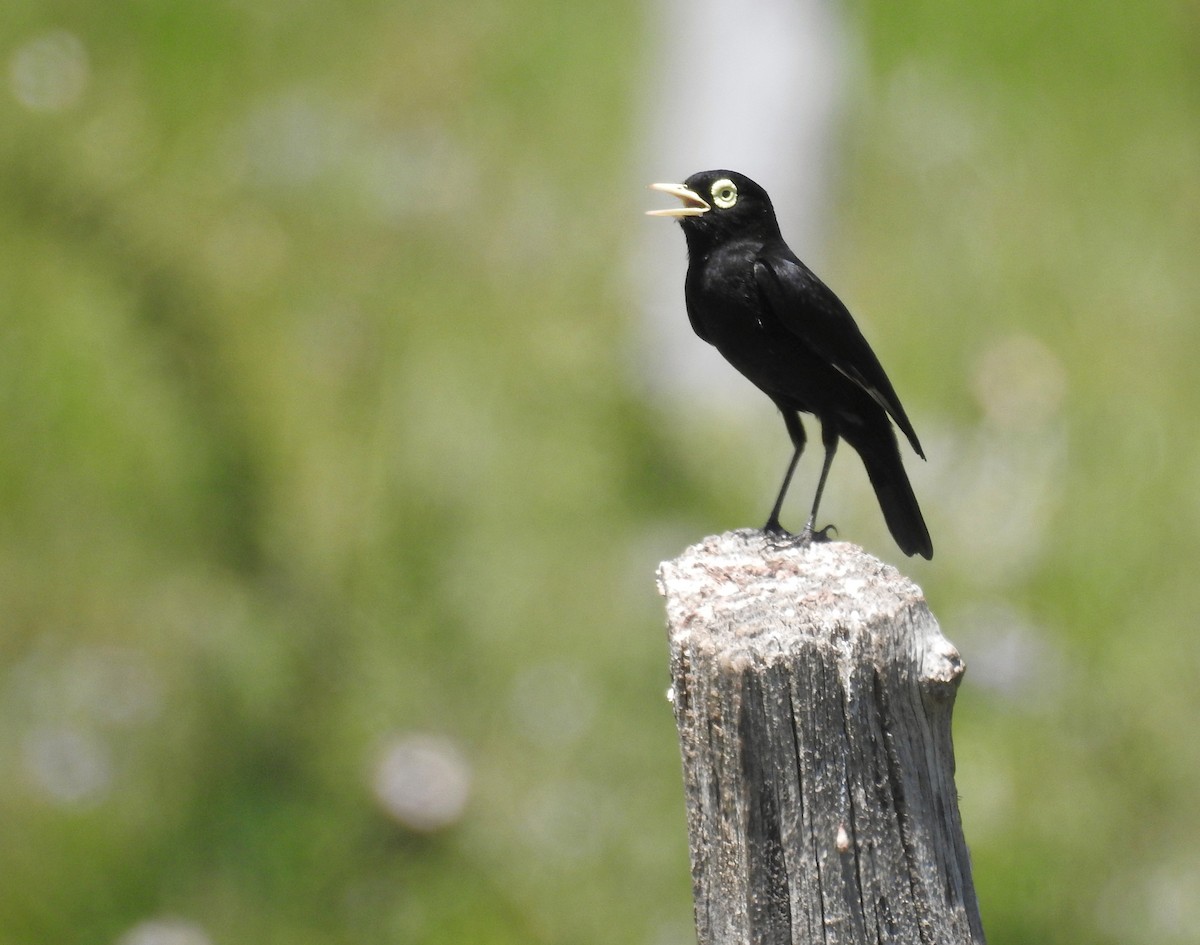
{"x": 813, "y": 691}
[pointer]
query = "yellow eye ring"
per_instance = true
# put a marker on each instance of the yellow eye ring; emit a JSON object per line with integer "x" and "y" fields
{"x": 724, "y": 193}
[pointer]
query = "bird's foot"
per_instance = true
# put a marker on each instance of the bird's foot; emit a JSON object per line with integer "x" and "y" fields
{"x": 819, "y": 534}
{"x": 778, "y": 535}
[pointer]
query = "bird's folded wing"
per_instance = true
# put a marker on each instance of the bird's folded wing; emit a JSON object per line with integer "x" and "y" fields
{"x": 809, "y": 310}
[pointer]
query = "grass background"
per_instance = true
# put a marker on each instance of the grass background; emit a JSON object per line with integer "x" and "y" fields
{"x": 320, "y": 430}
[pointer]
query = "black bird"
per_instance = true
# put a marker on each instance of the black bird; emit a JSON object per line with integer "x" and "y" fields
{"x": 750, "y": 297}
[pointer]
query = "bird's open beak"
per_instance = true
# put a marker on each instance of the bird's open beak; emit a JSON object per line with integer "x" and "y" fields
{"x": 693, "y": 203}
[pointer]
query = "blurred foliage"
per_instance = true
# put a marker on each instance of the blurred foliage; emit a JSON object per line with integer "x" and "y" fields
{"x": 321, "y": 432}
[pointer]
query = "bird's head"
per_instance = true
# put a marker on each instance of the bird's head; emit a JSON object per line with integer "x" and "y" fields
{"x": 718, "y": 205}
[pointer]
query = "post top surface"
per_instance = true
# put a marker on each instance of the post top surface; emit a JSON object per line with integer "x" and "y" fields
{"x": 743, "y": 583}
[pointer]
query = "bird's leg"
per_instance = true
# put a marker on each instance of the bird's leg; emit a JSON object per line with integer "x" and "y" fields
{"x": 829, "y": 438}
{"x": 773, "y": 527}
{"x": 796, "y": 431}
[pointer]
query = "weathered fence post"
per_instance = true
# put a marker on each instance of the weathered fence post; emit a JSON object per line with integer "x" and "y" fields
{"x": 813, "y": 691}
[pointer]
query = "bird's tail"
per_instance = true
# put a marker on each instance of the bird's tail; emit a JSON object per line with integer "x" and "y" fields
{"x": 881, "y": 457}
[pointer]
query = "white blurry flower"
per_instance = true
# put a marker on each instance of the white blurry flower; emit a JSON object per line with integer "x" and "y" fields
{"x": 165, "y": 931}
{"x": 50, "y": 72}
{"x": 422, "y": 781}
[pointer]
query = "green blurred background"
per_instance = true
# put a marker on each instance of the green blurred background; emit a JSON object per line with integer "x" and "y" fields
{"x": 330, "y": 501}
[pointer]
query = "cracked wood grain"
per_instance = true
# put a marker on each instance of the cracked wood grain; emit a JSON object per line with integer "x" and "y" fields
{"x": 813, "y": 693}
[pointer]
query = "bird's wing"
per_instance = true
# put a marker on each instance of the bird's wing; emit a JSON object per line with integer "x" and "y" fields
{"x": 809, "y": 310}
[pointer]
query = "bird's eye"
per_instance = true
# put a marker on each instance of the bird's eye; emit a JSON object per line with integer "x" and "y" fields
{"x": 724, "y": 193}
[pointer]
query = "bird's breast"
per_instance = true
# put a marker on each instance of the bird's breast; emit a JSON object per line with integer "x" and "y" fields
{"x": 728, "y": 310}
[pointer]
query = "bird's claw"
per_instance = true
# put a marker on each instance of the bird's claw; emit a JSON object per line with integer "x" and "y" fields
{"x": 821, "y": 534}
{"x": 780, "y": 536}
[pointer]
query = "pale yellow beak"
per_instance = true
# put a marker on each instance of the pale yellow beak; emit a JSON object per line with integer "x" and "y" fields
{"x": 693, "y": 203}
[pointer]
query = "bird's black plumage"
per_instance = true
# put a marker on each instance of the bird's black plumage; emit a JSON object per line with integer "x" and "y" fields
{"x": 749, "y": 296}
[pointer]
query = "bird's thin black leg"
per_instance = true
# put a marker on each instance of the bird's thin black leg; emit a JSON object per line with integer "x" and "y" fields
{"x": 829, "y": 438}
{"x": 773, "y": 527}
{"x": 796, "y": 431}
